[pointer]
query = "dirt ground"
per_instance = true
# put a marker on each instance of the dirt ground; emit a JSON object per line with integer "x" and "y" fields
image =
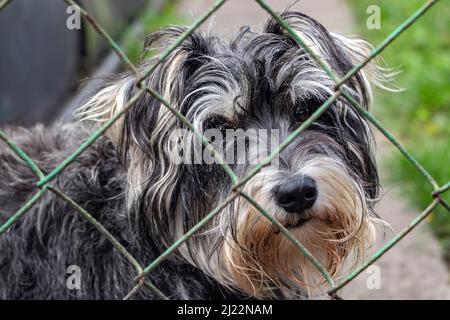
{"x": 413, "y": 269}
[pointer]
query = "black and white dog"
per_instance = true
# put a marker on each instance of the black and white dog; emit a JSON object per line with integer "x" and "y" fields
{"x": 322, "y": 187}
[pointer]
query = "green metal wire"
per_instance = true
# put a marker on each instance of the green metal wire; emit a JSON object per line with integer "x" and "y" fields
{"x": 400, "y": 29}
{"x": 323, "y": 64}
{"x": 299, "y": 39}
{"x": 45, "y": 179}
{"x": 97, "y": 27}
{"x": 198, "y": 135}
{"x": 4, "y": 3}
{"x": 443, "y": 203}
{"x": 34, "y": 167}
{"x": 289, "y": 235}
{"x": 391, "y": 138}
{"x": 387, "y": 247}
{"x": 24, "y": 209}
{"x": 117, "y": 245}
{"x": 92, "y": 138}
{"x": 186, "y": 236}
{"x": 158, "y": 292}
{"x": 183, "y": 36}
{"x": 22, "y": 155}
{"x": 133, "y": 291}
{"x": 218, "y": 209}
{"x": 121, "y": 55}
{"x": 316, "y": 114}
{"x": 442, "y": 189}
{"x": 355, "y": 104}
{"x": 237, "y": 183}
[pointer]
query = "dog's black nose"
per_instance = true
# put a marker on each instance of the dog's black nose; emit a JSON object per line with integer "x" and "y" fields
{"x": 296, "y": 194}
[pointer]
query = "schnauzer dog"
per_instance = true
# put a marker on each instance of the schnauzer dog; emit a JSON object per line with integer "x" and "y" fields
{"x": 322, "y": 187}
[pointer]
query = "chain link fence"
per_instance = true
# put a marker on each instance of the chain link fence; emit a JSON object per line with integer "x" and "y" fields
{"x": 44, "y": 184}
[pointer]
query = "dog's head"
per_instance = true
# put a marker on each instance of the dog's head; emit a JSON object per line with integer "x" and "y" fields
{"x": 246, "y": 97}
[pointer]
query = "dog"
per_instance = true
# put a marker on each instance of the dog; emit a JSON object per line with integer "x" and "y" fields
{"x": 322, "y": 187}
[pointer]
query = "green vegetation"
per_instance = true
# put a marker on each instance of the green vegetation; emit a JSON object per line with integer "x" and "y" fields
{"x": 149, "y": 21}
{"x": 419, "y": 116}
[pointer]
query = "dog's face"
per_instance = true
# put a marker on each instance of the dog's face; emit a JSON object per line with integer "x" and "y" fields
{"x": 264, "y": 85}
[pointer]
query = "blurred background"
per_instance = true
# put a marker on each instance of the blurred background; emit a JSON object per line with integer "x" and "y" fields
{"x": 43, "y": 64}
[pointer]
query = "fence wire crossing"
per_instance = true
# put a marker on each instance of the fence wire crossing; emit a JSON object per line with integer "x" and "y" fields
{"x": 44, "y": 183}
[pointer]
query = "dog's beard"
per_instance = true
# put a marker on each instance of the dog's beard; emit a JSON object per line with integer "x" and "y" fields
{"x": 337, "y": 231}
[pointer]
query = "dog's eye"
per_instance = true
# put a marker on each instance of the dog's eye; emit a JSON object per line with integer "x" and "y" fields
{"x": 306, "y": 107}
{"x": 216, "y": 122}
{"x": 300, "y": 114}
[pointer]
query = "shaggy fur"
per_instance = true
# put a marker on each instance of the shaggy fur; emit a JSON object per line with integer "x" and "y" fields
{"x": 130, "y": 182}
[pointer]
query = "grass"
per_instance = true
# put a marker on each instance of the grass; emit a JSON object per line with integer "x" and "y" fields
{"x": 419, "y": 116}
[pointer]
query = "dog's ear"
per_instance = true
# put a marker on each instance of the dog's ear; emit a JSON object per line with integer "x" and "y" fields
{"x": 109, "y": 100}
{"x": 376, "y": 72}
{"x": 339, "y": 52}
{"x": 168, "y": 79}
{"x": 142, "y": 135}
{"x": 313, "y": 34}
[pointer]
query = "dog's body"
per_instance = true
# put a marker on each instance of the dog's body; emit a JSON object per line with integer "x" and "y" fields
{"x": 37, "y": 253}
{"x": 130, "y": 182}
